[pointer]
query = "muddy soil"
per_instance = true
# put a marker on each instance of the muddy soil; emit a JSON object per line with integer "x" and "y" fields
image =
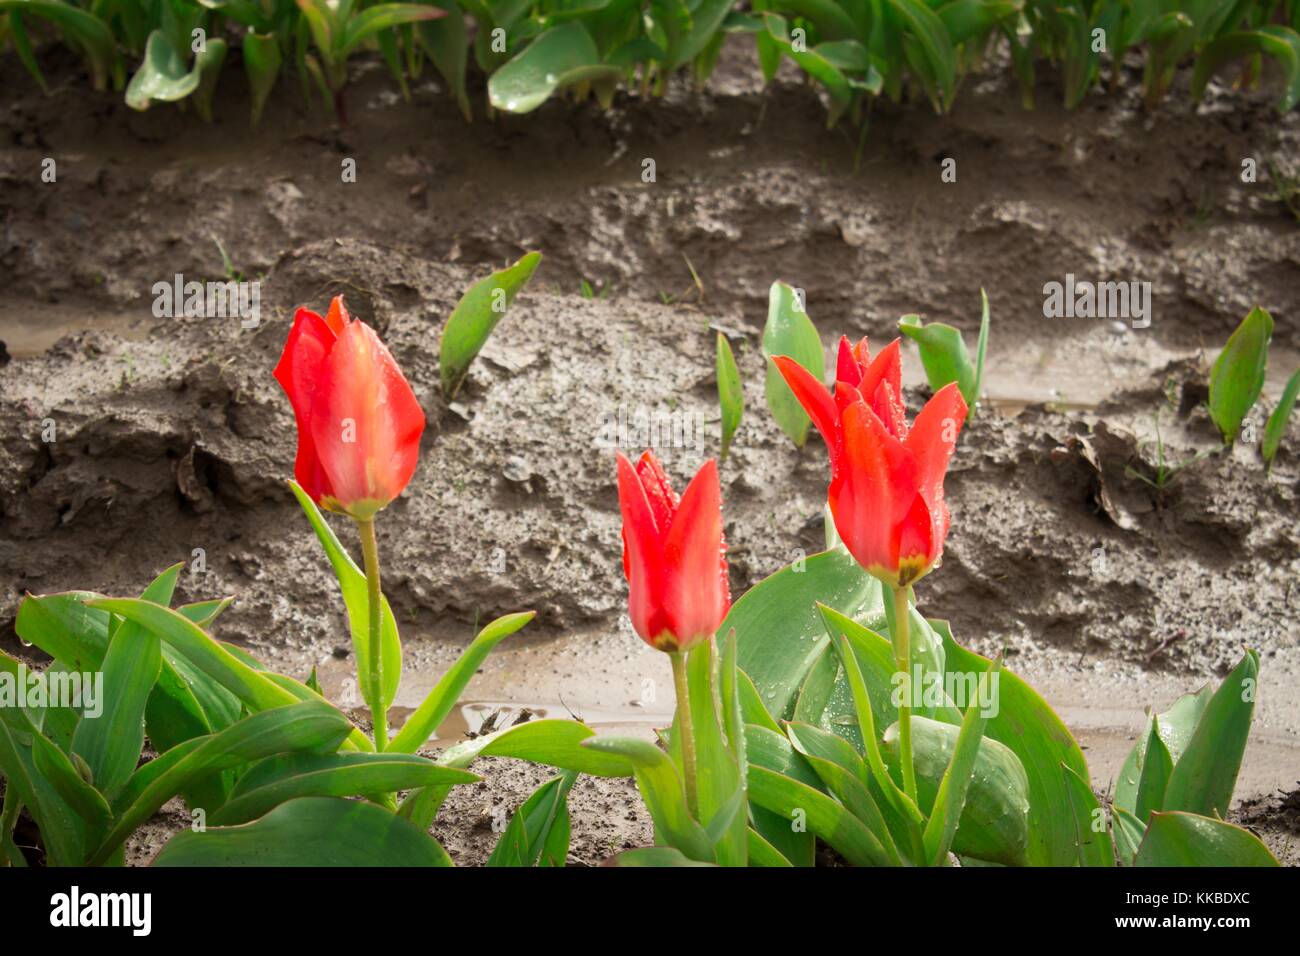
{"x": 171, "y": 435}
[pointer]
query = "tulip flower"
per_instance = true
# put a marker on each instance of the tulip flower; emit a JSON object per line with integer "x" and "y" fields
{"x": 886, "y": 491}
{"x": 359, "y": 429}
{"x": 359, "y": 423}
{"x": 673, "y": 554}
{"x": 674, "y": 560}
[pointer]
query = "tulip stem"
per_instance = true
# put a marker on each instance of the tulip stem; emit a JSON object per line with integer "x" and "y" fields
{"x": 903, "y": 660}
{"x": 685, "y": 730}
{"x": 370, "y": 552}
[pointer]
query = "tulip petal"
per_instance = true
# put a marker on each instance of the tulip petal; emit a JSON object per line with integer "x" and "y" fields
{"x": 696, "y": 593}
{"x": 886, "y": 367}
{"x": 888, "y": 406}
{"x": 814, "y": 397}
{"x": 847, "y": 366}
{"x": 337, "y": 317}
{"x": 915, "y": 543}
{"x": 642, "y": 564}
{"x": 873, "y": 493}
{"x": 298, "y": 372}
{"x": 366, "y": 423}
{"x": 658, "y": 491}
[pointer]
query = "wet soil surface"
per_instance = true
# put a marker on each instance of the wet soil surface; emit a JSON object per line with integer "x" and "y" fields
{"x": 171, "y": 436}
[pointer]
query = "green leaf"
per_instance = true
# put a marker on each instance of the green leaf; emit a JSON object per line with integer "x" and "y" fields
{"x": 779, "y": 633}
{"x": 1204, "y": 776}
{"x": 277, "y": 780}
{"x": 111, "y": 743}
{"x": 162, "y": 76}
{"x": 1002, "y": 809}
{"x": 1156, "y": 767}
{"x": 719, "y": 784}
{"x": 312, "y": 831}
{"x": 990, "y": 821}
{"x": 554, "y": 742}
{"x": 444, "y": 39}
{"x": 538, "y": 833}
{"x": 560, "y": 57}
{"x": 822, "y": 815}
{"x": 91, "y": 34}
{"x": 943, "y": 355}
{"x": 927, "y": 30}
{"x": 262, "y": 64}
{"x": 1279, "y": 42}
{"x": 1238, "y": 374}
{"x": 1128, "y": 831}
{"x": 362, "y": 26}
{"x": 790, "y": 332}
{"x": 433, "y": 710}
{"x": 207, "y": 63}
{"x": 1094, "y": 843}
{"x": 312, "y": 726}
{"x": 661, "y": 789}
{"x": 68, "y": 782}
{"x": 653, "y": 856}
{"x": 1175, "y": 726}
{"x": 1185, "y": 839}
{"x": 476, "y": 315}
{"x": 731, "y": 395}
{"x": 981, "y": 352}
{"x": 1275, "y": 430}
{"x": 356, "y": 597}
{"x": 816, "y": 64}
{"x": 1027, "y": 725}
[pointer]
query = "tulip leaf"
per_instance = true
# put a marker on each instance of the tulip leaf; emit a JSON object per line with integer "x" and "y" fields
{"x": 554, "y": 742}
{"x": 1238, "y": 374}
{"x": 821, "y": 814}
{"x": 111, "y": 743}
{"x": 769, "y": 748}
{"x": 207, "y": 64}
{"x": 1156, "y": 766}
{"x": 1027, "y": 725}
{"x": 63, "y": 830}
{"x": 731, "y": 395}
{"x": 790, "y": 332}
{"x": 476, "y": 315}
{"x": 653, "y": 856}
{"x": 780, "y": 634}
{"x": 988, "y": 818}
{"x": 1275, "y": 430}
{"x": 538, "y": 833}
{"x": 943, "y": 355}
{"x": 163, "y": 76}
{"x": 444, "y": 39}
{"x": 312, "y": 726}
{"x": 1186, "y": 839}
{"x": 663, "y": 793}
{"x": 1127, "y": 831}
{"x": 1203, "y": 777}
{"x": 279, "y": 779}
{"x": 384, "y": 16}
{"x": 1094, "y": 842}
{"x": 720, "y": 785}
{"x": 262, "y": 64}
{"x": 1279, "y": 42}
{"x": 356, "y": 597}
{"x": 1175, "y": 727}
{"x": 560, "y": 57}
{"x": 311, "y": 831}
{"x": 433, "y": 710}
{"x": 91, "y": 34}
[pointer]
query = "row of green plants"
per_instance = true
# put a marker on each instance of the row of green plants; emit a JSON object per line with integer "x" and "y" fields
{"x": 823, "y": 705}
{"x": 856, "y": 51}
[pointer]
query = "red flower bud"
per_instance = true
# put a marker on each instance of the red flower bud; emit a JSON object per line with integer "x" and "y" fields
{"x": 359, "y": 424}
{"x": 673, "y": 554}
{"x": 886, "y": 491}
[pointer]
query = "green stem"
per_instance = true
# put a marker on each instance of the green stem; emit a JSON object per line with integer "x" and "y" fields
{"x": 370, "y": 552}
{"x": 903, "y": 660}
{"x": 685, "y": 730}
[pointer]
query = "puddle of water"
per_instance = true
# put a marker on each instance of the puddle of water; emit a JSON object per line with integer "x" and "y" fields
{"x": 31, "y": 329}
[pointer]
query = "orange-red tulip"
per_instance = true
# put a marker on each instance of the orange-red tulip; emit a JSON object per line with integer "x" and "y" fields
{"x": 359, "y": 424}
{"x": 886, "y": 491}
{"x": 673, "y": 554}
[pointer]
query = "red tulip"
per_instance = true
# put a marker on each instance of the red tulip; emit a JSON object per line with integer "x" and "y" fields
{"x": 359, "y": 424}
{"x": 673, "y": 554}
{"x": 886, "y": 492}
